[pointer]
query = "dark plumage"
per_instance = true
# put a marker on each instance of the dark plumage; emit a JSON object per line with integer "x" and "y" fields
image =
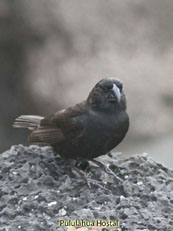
{"x": 87, "y": 130}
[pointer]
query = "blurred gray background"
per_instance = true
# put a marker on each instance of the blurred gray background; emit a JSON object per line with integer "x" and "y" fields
{"x": 53, "y": 52}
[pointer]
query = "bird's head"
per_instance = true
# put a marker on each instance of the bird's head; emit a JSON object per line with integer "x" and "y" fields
{"x": 107, "y": 94}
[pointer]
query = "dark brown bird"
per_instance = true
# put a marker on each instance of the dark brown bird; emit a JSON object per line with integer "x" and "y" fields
{"x": 87, "y": 130}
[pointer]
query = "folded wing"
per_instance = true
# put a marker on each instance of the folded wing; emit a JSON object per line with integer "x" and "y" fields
{"x": 55, "y": 128}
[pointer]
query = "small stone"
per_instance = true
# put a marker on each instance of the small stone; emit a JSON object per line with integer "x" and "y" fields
{"x": 14, "y": 173}
{"x": 139, "y": 183}
{"x": 52, "y": 203}
{"x": 62, "y": 212}
{"x": 122, "y": 197}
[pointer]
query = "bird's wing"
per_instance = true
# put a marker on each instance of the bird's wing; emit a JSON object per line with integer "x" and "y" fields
{"x": 59, "y": 127}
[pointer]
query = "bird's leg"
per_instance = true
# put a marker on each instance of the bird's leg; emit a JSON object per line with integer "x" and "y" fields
{"x": 80, "y": 174}
{"x": 89, "y": 181}
{"x": 106, "y": 169}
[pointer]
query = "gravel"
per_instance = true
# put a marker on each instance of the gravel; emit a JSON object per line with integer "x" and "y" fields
{"x": 38, "y": 189}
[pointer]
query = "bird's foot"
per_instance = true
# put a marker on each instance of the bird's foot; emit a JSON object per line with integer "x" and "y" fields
{"x": 88, "y": 180}
{"x": 106, "y": 169}
{"x": 96, "y": 183}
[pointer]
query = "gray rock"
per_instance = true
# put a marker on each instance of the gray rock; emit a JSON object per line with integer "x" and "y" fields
{"x": 37, "y": 189}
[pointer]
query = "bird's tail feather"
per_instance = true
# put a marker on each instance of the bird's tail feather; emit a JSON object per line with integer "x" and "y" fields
{"x": 27, "y": 121}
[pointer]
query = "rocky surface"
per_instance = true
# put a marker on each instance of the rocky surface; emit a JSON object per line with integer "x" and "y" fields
{"x": 38, "y": 189}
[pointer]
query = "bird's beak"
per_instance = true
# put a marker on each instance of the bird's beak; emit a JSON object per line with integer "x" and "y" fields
{"x": 117, "y": 92}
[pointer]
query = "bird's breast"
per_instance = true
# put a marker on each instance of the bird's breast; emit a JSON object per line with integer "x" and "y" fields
{"x": 100, "y": 133}
{"x": 107, "y": 130}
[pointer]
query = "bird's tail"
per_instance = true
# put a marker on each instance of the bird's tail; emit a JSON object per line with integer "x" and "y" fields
{"x": 27, "y": 121}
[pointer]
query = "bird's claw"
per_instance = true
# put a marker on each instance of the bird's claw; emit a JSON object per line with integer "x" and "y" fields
{"x": 106, "y": 169}
{"x": 90, "y": 181}
{"x": 109, "y": 171}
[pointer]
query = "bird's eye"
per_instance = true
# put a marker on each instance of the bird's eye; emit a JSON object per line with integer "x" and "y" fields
{"x": 110, "y": 86}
